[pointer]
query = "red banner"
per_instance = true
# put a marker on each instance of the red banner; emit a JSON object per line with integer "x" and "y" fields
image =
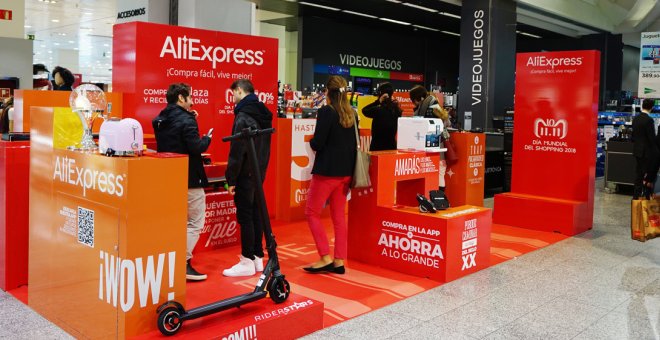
{"x": 406, "y": 76}
{"x": 148, "y": 57}
{"x": 405, "y": 103}
{"x": 555, "y": 124}
{"x": 554, "y": 151}
{"x": 5, "y": 14}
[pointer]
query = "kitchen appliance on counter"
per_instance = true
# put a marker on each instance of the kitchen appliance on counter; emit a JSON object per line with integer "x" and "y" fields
{"x": 121, "y": 137}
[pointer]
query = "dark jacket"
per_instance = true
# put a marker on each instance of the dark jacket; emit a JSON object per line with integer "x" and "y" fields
{"x": 383, "y": 127}
{"x": 643, "y": 136}
{"x": 335, "y": 145}
{"x": 249, "y": 113}
{"x": 63, "y": 88}
{"x": 176, "y": 131}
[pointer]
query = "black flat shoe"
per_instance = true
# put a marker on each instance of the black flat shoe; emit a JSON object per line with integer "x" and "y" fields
{"x": 339, "y": 270}
{"x": 327, "y": 268}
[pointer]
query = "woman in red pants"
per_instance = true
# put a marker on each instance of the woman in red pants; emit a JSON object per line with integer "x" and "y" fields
{"x": 335, "y": 145}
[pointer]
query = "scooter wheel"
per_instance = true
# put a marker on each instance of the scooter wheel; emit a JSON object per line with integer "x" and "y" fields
{"x": 169, "y": 321}
{"x": 279, "y": 290}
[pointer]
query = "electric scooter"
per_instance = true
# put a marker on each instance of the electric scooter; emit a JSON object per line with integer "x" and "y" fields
{"x": 171, "y": 314}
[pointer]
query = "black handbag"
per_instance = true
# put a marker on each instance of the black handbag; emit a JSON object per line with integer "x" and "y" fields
{"x": 425, "y": 205}
{"x": 439, "y": 199}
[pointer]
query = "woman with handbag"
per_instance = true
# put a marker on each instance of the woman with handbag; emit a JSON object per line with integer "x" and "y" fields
{"x": 336, "y": 147}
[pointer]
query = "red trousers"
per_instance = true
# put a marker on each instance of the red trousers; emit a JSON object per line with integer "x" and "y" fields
{"x": 333, "y": 190}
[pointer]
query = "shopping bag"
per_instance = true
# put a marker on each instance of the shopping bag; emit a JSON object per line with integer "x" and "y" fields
{"x": 637, "y": 230}
{"x": 651, "y": 218}
{"x": 450, "y": 156}
{"x": 361, "y": 173}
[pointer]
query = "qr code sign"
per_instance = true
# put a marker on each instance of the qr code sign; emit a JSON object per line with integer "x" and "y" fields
{"x": 86, "y": 226}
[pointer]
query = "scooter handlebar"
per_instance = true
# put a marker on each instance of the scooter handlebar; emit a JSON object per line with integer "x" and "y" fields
{"x": 247, "y": 133}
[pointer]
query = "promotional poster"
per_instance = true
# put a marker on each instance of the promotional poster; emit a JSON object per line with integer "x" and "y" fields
{"x": 555, "y": 125}
{"x": 208, "y": 61}
{"x": 649, "y": 65}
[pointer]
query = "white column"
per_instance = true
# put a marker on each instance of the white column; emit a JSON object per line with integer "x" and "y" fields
{"x": 236, "y": 16}
{"x": 291, "y": 75}
{"x": 157, "y": 11}
{"x": 67, "y": 59}
{"x": 12, "y": 18}
{"x": 278, "y": 32}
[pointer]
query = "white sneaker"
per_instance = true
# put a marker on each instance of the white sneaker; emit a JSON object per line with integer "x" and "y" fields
{"x": 258, "y": 263}
{"x": 244, "y": 267}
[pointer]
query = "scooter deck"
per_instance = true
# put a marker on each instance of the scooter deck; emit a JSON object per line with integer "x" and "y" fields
{"x": 218, "y": 306}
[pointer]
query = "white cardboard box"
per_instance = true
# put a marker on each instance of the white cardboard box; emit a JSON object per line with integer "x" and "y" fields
{"x": 419, "y": 134}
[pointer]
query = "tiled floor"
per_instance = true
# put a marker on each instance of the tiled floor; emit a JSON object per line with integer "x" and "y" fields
{"x": 598, "y": 285}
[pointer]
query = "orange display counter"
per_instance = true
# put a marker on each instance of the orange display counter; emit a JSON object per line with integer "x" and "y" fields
{"x": 14, "y": 181}
{"x": 107, "y": 236}
{"x": 25, "y": 99}
{"x": 465, "y": 178}
{"x": 386, "y": 229}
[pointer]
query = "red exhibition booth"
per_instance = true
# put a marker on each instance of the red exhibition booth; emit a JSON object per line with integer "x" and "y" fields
{"x": 395, "y": 251}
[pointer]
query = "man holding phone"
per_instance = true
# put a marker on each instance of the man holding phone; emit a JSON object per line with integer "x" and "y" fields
{"x": 177, "y": 131}
{"x": 249, "y": 112}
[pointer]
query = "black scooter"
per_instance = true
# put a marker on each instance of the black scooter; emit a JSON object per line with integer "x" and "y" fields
{"x": 171, "y": 314}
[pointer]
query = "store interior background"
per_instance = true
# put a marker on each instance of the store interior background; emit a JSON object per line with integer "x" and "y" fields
{"x": 78, "y": 33}
{"x": 422, "y": 34}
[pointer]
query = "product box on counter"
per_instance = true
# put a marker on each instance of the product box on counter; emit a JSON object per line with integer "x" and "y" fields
{"x": 419, "y": 134}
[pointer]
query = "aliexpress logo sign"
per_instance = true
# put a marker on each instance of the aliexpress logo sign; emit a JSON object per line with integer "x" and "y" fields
{"x": 192, "y": 49}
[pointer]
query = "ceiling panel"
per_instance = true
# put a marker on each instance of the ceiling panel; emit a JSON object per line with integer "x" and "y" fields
{"x": 85, "y": 26}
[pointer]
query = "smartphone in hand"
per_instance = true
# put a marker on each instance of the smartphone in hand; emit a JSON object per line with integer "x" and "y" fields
{"x": 210, "y": 133}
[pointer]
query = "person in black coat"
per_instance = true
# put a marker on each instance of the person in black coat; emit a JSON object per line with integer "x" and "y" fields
{"x": 645, "y": 149}
{"x": 385, "y": 113}
{"x": 249, "y": 113}
{"x": 335, "y": 143}
{"x": 176, "y": 131}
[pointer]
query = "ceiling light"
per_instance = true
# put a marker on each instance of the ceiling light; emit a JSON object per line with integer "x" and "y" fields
{"x": 71, "y": 42}
{"x": 452, "y": 33}
{"x": 395, "y": 21}
{"x": 427, "y": 28}
{"x": 529, "y": 34}
{"x": 319, "y": 6}
{"x": 450, "y": 15}
{"x": 394, "y": 1}
{"x": 56, "y": 44}
{"x": 361, "y": 14}
{"x": 55, "y": 20}
{"x": 43, "y": 45}
{"x": 106, "y": 45}
{"x": 87, "y": 13}
{"x": 27, "y": 26}
{"x": 75, "y": 48}
{"x": 50, "y": 51}
{"x": 419, "y": 7}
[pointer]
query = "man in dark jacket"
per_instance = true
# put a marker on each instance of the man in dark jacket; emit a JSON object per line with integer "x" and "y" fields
{"x": 645, "y": 149}
{"x": 249, "y": 113}
{"x": 177, "y": 131}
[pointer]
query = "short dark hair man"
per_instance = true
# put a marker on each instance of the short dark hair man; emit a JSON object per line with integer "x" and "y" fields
{"x": 177, "y": 131}
{"x": 645, "y": 149}
{"x": 249, "y": 113}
